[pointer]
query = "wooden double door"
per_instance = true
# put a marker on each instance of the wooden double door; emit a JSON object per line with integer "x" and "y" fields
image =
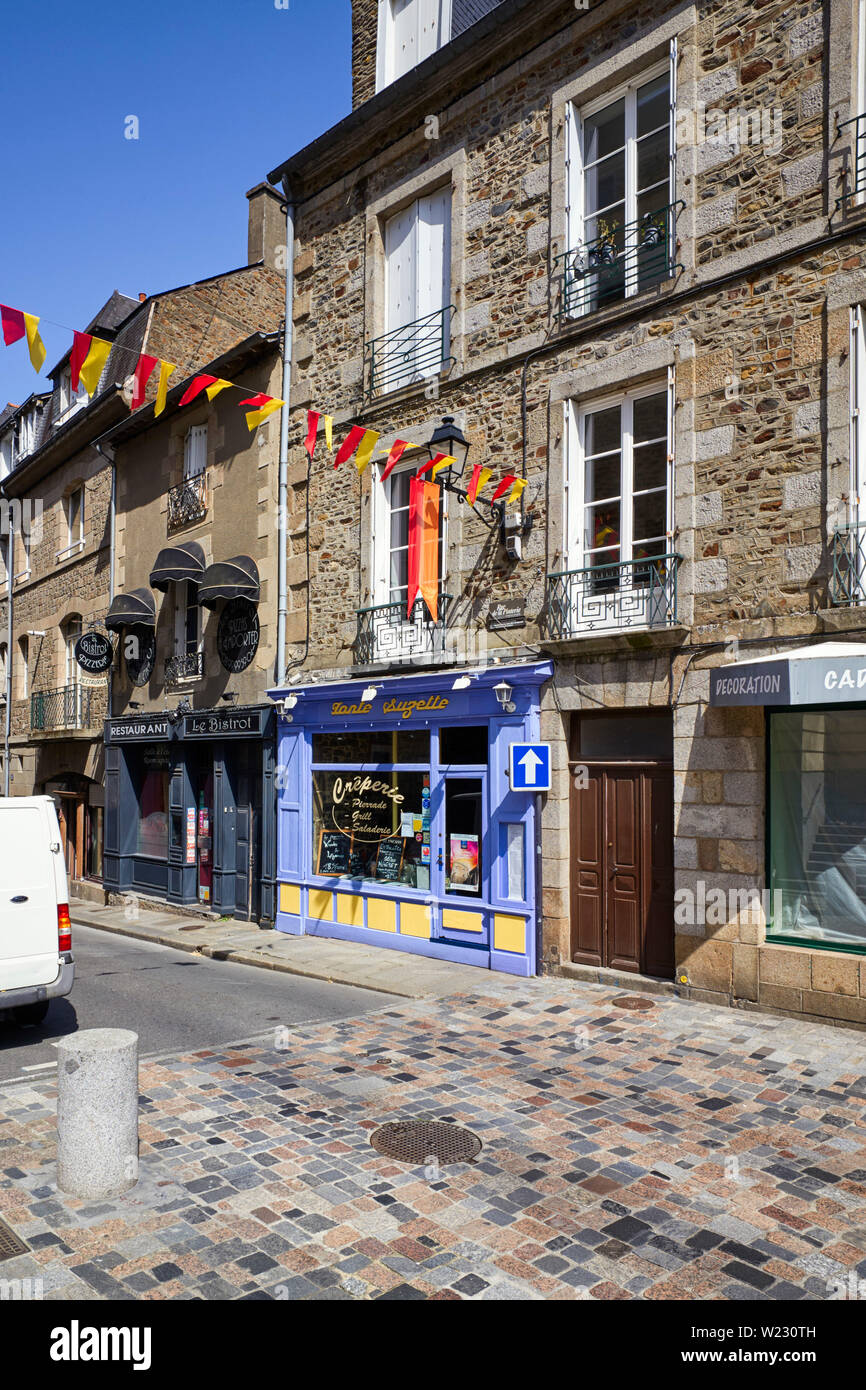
{"x": 622, "y": 880}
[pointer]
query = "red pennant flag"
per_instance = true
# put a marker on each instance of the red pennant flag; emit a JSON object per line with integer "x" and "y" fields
{"x": 427, "y": 466}
{"x": 399, "y": 448}
{"x": 349, "y": 444}
{"x": 508, "y": 481}
{"x": 142, "y": 374}
{"x": 81, "y": 345}
{"x": 423, "y": 558}
{"x": 195, "y": 388}
{"x": 313, "y": 418}
{"x": 13, "y": 324}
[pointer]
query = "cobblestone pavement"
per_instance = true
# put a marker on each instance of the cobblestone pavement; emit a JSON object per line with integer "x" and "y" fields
{"x": 684, "y": 1152}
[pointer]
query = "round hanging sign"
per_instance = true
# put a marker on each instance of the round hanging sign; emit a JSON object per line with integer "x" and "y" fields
{"x": 139, "y": 651}
{"x": 94, "y": 653}
{"x": 238, "y": 635}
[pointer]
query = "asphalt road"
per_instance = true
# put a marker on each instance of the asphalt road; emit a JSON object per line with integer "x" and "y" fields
{"x": 175, "y": 1002}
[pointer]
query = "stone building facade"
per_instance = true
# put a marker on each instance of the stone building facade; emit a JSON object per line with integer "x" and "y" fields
{"x": 655, "y": 236}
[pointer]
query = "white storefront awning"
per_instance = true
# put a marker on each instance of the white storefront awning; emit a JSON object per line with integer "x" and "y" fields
{"x": 827, "y": 673}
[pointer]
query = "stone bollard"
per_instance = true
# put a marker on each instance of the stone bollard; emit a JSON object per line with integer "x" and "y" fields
{"x": 97, "y": 1112}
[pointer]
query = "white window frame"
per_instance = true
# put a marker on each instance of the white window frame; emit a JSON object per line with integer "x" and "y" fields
{"x": 386, "y": 64}
{"x": 7, "y": 453}
{"x": 182, "y": 607}
{"x": 380, "y": 550}
{"x": 575, "y": 554}
{"x": 195, "y": 452}
{"x": 421, "y": 256}
{"x": 25, "y": 548}
{"x": 70, "y": 400}
{"x": 24, "y": 652}
{"x": 71, "y": 631}
{"x": 73, "y": 543}
{"x": 26, "y": 434}
{"x": 857, "y": 415}
{"x": 4, "y": 671}
{"x": 578, "y": 113}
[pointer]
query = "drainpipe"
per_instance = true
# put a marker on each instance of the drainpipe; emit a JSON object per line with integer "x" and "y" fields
{"x": 7, "y": 728}
{"x": 112, "y": 543}
{"x": 283, "y": 514}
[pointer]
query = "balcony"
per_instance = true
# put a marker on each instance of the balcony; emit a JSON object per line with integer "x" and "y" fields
{"x": 180, "y": 669}
{"x": 848, "y": 580}
{"x": 69, "y": 707}
{"x": 410, "y": 354}
{"x": 187, "y": 503}
{"x": 613, "y": 598}
{"x": 386, "y": 635}
{"x": 624, "y": 259}
{"x": 855, "y": 173}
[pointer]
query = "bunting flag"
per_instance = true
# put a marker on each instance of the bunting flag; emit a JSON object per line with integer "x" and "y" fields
{"x": 443, "y": 463}
{"x": 195, "y": 388}
{"x": 329, "y": 433}
{"x": 81, "y": 345}
{"x": 507, "y": 482}
{"x": 263, "y": 407}
{"x": 517, "y": 490}
{"x": 312, "y": 430}
{"x": 349, "y": 444}
{"x": 480, "y": 478}
{"x": 399, "y": 448}
{"x": 17, "y": 324}
{"x": 142, "y": 374}
{"x": 93, "y": 364}
{"x": 423, "y": 558}
{"x": 365, "y": 450}
{"x": 165, "y": 371}
{"x": 218, "y": 386}
{"x": 426, "y": 467}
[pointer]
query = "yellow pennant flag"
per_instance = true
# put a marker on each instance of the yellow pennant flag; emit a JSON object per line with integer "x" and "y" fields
{"x": 480, "y": 478}
{"x": 35, "y": 345}
{"x": 215, "y": 389}
{"x": 255, "y": 417}
{"x": 165, "y": 371}
{"x": 91, "y": 367}
{"x": 329, "y": 432}
{"x": 437, "y": 467}
{"x": 517, "y": 490}
{"x": 365, "y": 450}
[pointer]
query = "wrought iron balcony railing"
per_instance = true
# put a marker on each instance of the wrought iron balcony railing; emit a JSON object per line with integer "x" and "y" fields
{"x": 412, "y": 353}
{"x": 855, "y": 174}
{"x": 848, "y": 581}
{"x": 623, "y": 259}
{"x": 187, "y": 502}
{"x": 387, "y": 634}
{"x": 68, "y": 707}
{"x": 188, "y": 667}
{"x": 609, "y": 598}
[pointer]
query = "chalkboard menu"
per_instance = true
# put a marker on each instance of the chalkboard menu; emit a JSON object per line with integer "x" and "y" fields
{"x": 334, "y": 854}
{"x": 389, "y": 861}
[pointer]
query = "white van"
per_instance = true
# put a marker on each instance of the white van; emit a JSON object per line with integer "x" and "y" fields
{"x": 36, "y": 962}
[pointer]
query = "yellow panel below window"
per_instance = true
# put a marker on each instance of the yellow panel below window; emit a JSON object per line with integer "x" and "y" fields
{"x": 290, "y": 898}
{"x": 415, "y": 920}
{"x": 462, "y": 921}
{"x": 350, "y": 910}
{"x": 509, "y": 933}
{"x": 320, "y": 905}
{"x": 381, "y": 914}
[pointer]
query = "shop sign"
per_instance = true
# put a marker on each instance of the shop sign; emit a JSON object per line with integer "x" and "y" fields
{"x": 364, "y": 808}
{"x": 238, "y": 635}
{"x": 94, "y": 653}
{"x": 505, "y": 614}
{"x": 804, "y": 681}
{"x": 223, "y": 725}
{"x": 404, "y": 708}
{"x": 139, "y": 652}
{"x": 143, "y": 728}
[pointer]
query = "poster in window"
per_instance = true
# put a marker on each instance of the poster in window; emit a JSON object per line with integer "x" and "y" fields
{"x": 464, "y": 863}
{"x": 333, "y": 858}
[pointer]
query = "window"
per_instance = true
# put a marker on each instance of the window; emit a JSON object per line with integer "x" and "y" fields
{"x": 619, "y": 496}
{"x": 818, "y": 826}
{"x": 26, "y": 434}
{"x": 186, "y": 664}
{"x": 24, "y": 571}
{"x": 416, "y": 342}
{"x": 4, "y": 671}
{"x": 71, "y": 634}
{"x": 153, "y": 814}
{"x": 73, "y": 506}
{"x": 391, "y": 565}
{"x": 24, "y": 667}
{"x": 70, "y": 400}
{"x": 195, "y": 452}
{"x": 620, "y": 191}
{"x": 7, "y": 453}
{"x": 409, "y": 31}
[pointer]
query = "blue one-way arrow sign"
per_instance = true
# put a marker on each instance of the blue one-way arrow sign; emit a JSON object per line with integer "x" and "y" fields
{"x": 529, "y": 767}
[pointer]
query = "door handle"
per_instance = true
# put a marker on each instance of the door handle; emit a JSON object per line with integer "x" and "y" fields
{"x": 439, "y": 860}
{"x": 21, "y": 898}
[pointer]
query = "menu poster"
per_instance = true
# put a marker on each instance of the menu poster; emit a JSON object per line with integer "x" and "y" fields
{"x": 190, "y": 835}
{"x": 389, "y": 861}
{"x": 334, "y": 853}
{"x": 464, "y": 863}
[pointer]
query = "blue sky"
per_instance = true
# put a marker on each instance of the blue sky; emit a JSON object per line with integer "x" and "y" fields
{"x": 223, "y": 91}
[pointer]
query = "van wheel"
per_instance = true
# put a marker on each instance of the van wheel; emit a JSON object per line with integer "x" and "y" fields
{"x": 31, "y": 1013}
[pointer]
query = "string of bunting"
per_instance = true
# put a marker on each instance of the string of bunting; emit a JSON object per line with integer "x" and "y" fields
{"x": 89, "y": 355}
{"x": 360, "y": 443}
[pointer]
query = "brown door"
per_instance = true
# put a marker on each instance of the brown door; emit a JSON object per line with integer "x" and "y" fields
{"x": 622, "y": 869}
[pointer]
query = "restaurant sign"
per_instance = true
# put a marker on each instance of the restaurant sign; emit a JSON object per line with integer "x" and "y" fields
{"x": 94, "y": 653}
{"x": 224, "y": 724}
{"x": 365, "y": 808}
{"x": 131, "y": 730}
{"x": 403, "y": 709}
{"x": 238, "y": 635}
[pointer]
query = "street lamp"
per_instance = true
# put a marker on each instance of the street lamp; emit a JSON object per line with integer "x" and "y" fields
{"x": 450, "y": 440}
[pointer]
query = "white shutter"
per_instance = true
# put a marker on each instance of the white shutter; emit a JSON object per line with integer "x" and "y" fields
{"x": 434, "y": 277}
{"x": 195, "y": 451}
{"x": 404, "y": 36}
{"x": 400, "y": 269}
{"x": 672, "y": 458}
{"x": 857, "y": 452}
{"x": 429, "y": 28}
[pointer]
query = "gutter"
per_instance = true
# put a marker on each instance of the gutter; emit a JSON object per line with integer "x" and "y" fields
{"x": 112, "y": 544}
{"x": 283, "y": 495}
{"x": 7, "y": 728}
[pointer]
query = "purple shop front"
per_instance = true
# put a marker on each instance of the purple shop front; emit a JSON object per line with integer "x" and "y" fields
{"x": 396, "y": 822}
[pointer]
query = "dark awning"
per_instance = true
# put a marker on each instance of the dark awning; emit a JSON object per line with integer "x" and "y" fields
{"x": 237, "y": 578}
{"x": 176, "y": 563}
{"x": 135, "y": 609}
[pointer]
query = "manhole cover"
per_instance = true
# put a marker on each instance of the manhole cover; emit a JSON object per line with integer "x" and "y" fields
{"x": 10, "y": 1244}
{"x": 419, "y": 1141}
{"x": 633, "y": 1001}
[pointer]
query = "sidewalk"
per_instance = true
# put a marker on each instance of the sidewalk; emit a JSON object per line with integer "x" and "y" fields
{"x": 340, "y": 962}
